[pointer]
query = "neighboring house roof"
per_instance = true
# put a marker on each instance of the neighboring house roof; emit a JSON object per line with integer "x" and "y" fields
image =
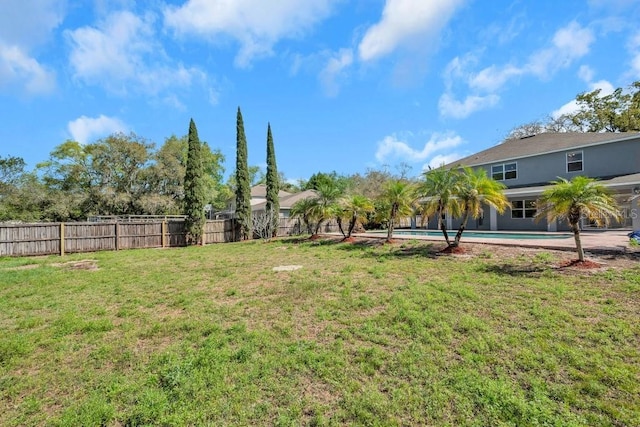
{"x": 542, "y": 143}
{"x": 260, "y": 190}
{"x": 287, "y": 201}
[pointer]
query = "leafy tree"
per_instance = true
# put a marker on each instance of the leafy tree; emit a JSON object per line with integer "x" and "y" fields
{"x": 397, "y": 200}
{"x": 194, "y": 188}
{"x": 327, "y": 179}
{"x": 475, "y": 190}
{"x": 117, "y": 164}
{"x": 371, "y": 183}
{"x": 11, "y": 169}
{"x": 440, "y": 189}
{"x": 243, "y": 189}
{"x": 22, "y": 196}
{"x": 581, "y": 197}
{"x": 272, "y": 208}
{"x": 355, "y": 208}
{"x": 616, "y": 112}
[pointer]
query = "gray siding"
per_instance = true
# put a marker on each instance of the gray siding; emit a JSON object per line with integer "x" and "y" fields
{"x": 605, "y": 160}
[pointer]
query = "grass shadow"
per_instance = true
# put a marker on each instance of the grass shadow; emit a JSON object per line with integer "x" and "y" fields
{"x": 514, "y": 270}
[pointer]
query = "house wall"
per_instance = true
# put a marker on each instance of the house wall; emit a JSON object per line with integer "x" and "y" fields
{"x": 620, "y": 158}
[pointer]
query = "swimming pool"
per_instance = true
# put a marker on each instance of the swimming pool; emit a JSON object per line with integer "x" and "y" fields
{"x": 486, "y": 234}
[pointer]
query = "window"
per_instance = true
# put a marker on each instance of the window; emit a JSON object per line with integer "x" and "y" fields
{"x": 523, "y": 209}
{"x": 574, "y": 161}
{"x": 504, "y": 171}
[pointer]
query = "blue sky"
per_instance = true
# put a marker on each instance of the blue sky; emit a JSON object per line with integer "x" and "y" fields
{"x": 346, "y": 84}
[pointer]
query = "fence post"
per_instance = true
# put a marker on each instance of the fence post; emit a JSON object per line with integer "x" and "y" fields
{"x": 62, "y": 239}
{"x": 117, "y": 226}
{"x": 164, "y": 233}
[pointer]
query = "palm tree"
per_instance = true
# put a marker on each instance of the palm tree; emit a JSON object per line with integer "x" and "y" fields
{"x": 397, "y": 200}
{"x": 475, "y": 190}
{"x": 581, "y": 197}
{"x": 305, "y": 210}
{"x": 440, "y": 191}
{"x": 326, "y": 203}
{"x": 355, "y": 208}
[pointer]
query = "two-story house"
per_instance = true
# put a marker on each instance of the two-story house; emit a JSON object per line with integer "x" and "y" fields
{"x": 527, "y": 166}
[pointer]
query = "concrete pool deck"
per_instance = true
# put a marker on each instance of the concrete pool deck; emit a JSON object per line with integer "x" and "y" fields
{"x": 610, "y": 241}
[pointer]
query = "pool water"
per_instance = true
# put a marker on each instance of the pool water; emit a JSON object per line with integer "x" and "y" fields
{"x": 487, "y": 234}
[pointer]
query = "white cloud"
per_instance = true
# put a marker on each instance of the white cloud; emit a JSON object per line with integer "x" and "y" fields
{"x": 441, "y": 159}
{"x": 567, "y": 45}
{"x": 84, "y": 129}
{"x": 256, "y": 24}
{"x": 493, "y": 78}
{"x": 406, "y": 22}
{"x": 391, "y": 148}
{"x": 25, "y": 24}
{"x": 18, "y": 69}
{"x": 451, "y": 107}
{"x": 634, "y": 51}
{"x": 586, "y": 73}
{"x": 122, "y": 55}
{"x": 28, "y": 23}
{"x": 334, "y": 70}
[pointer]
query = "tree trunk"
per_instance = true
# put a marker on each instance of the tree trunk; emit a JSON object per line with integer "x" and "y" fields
{"x": 391, "y": 223}
{"x": 339, "y": 221}
{"x": 576, "y": 235}
{"x": 352, "y": 225}
{"x": 390, "y": 230}
{"x": 443, "y": 226}
{"x": 463, "y": 225}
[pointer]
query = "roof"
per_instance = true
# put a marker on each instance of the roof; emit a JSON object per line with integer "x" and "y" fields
{"x": 542, "y": 143}
{"x": 287, "y": 201}
{"x": 260, "y": 190}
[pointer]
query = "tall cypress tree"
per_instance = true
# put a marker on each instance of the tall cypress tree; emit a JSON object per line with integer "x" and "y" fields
{"x": 194, "y": 188}
{"x": 273, "y": 185}
{"x": 243, "y": 189}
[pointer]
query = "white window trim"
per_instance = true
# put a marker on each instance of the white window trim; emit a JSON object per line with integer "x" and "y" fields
{"x": 504, "y": 171}
{"x": 566, "y": 160}
{"x": 523, "y": 209}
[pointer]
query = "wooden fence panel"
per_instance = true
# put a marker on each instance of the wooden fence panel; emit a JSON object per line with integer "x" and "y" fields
{"x": 89, "y": 236}
{"x": 138, "y": 235}
{"x": 176, "y": 234}
{"x": 29, "y": 239}
{"x": 219, "y": 231}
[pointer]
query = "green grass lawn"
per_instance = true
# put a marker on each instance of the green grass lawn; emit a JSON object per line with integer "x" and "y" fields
{"x": 361, "y": 335}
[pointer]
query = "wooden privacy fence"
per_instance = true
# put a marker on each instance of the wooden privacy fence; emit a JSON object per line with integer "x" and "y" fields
{"x": 73, "y": 237}
{"x": 70, "y": 237}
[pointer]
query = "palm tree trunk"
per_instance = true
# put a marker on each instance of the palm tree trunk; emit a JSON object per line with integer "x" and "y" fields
{"x": 339, "y": 221}
{"x": 463, "y": 225}
{"x": 443, "y": 227}
{"x": 391, "y": 224}
{"x": 576, "y": 235}
{"x": 352, "y": 225}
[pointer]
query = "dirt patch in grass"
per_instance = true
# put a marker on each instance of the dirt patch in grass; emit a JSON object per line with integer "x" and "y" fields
{"x": 23, "y": 267}
{"x": 455, "y": 250}
{"x": 582, "y": 265}
{"x": 85, "y": 264}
